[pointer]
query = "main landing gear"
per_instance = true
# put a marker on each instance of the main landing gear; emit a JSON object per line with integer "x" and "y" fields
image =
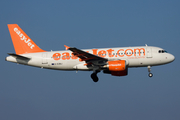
{"x": 94, "y": 76}
{"x": 149, "y": 70}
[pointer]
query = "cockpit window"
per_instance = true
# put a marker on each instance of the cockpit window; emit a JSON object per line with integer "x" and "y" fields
{"x": 162, "y": 51}
{"x": 165, "y": 51}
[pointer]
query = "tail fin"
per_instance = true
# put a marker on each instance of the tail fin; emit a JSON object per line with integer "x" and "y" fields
{"x": 21, "y": 41}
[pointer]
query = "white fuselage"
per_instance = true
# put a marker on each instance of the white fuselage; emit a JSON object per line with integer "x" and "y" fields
{"x": 139, "y": 56}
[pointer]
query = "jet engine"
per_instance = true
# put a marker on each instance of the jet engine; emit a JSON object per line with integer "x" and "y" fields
{"x": 116, "y": 68}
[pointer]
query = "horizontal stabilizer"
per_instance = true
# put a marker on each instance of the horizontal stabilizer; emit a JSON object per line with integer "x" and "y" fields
{"x": 19, "y": 56}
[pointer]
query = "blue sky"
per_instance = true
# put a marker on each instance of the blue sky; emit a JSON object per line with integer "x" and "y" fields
{"x": 34, "y": 93}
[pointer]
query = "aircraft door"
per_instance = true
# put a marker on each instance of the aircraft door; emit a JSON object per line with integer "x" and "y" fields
{"x": 44, "y": 58}
{"x": 148, "y": 52}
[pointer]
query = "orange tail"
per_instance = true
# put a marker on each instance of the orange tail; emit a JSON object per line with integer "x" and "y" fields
{"x": 21, "y": 41}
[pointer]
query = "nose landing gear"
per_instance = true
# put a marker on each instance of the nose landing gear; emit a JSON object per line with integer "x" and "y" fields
{"x": 149, "y": 70}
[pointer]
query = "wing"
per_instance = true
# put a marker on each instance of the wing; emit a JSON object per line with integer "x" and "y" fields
{"x": 87, "y": 57}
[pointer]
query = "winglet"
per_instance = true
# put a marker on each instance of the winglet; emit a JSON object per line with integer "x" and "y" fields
{"x": 67, "y": 47}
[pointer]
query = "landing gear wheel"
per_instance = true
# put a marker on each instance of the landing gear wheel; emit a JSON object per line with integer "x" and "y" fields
{"x": 94, "y": 77}
{"x": 149, "y": 70}
{"x": 150, "y": 74}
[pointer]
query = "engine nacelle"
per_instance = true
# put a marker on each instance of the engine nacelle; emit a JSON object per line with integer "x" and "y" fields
{"x": 118, "y": 65}
{"x": 117, "y": 68}
{"x": 119, "y": 73}
{"x": 116, "y": 73}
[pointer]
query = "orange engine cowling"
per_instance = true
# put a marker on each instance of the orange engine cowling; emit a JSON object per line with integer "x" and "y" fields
{"x": 117, "y": 68}
{"x": 118, "y": 65}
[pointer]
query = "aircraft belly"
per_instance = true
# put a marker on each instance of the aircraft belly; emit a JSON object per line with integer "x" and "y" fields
{"x": 141, "y": 62}
{"x": 62, "y": 65}
{"x": 133, "y": 62}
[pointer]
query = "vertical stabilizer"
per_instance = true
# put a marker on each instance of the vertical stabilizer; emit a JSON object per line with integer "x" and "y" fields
{"x": 21, "y": 41}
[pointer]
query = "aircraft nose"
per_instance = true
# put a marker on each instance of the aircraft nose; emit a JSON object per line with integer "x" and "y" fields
{"x": 171, "y": 58}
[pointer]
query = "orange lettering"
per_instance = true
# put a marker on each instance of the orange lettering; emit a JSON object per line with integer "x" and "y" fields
{"x": 56, "y": 56}
{"x": 65, "y": 56}
{"x": 73, "y": 56}
{"x": 80, "y": 60}
{"x": 94, "y": 51}
{"x": 102, "y": 53}
{"x": 110, "y": 52}
{"x": 127, "y": 53}
{"x": 119, "y": 54}
{"x": 139, "y": 50}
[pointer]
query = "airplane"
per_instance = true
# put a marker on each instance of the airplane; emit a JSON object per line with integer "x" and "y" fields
{"x": 114, "y": 61}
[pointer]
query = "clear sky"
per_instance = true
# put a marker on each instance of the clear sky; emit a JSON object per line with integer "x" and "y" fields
{"x": 29, "y": 93}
